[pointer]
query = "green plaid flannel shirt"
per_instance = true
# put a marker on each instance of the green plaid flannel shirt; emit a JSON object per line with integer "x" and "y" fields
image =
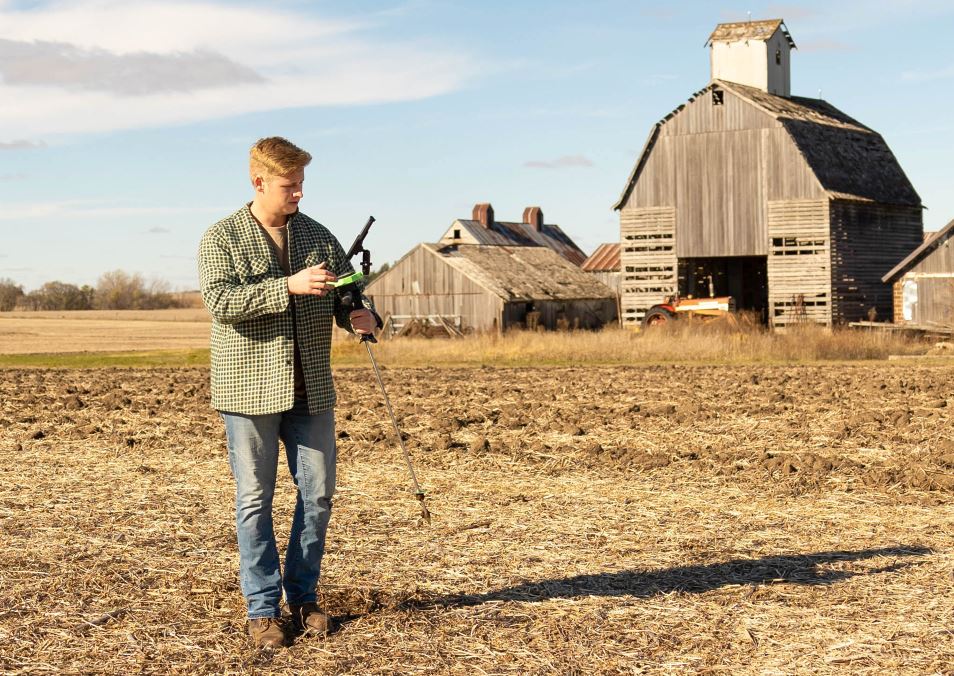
{"x": 246, "y": 292}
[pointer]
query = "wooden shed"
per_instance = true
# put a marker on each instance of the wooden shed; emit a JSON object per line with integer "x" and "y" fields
{"x": 923, "y": 284}
{"x": 784, "y": 202}
{"x": 491, "y": 288}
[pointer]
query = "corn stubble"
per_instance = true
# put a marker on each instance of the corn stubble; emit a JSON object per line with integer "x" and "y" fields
{"x": 659, "y": 519}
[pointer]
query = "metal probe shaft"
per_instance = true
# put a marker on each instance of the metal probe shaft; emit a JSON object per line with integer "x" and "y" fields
{"x": 425, "y": 514}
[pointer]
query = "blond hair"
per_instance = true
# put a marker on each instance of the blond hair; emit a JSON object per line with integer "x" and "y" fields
{"x": 276, "y": 156}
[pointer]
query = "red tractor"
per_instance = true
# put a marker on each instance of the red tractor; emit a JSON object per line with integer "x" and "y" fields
{"x": 676, "y": 307}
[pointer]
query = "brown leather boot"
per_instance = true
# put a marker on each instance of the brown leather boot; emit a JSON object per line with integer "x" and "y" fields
{"x": 310, "y": 619}
{"x": 267, "y": 632}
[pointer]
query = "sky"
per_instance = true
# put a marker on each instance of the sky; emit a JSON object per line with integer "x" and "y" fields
{"x": 125, "y": 125}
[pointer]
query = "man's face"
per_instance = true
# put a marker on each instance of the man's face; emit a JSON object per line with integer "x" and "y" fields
{"x": 281, "y": 194}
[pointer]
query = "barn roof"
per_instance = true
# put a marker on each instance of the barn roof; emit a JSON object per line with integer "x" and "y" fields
{"x": 850, "y": 160}
{"x": 505, "y": 233}
{"x": 749, "y": 30}
{"x": 926, "y": 249}
{"x": 522, "y": 273}
{"x": 604, "y": 259}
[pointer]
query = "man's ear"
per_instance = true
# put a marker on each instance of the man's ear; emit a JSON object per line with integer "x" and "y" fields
{"x": 258, "y": 182}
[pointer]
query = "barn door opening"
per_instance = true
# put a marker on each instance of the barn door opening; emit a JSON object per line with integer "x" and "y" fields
{"x": 742, "y": 277}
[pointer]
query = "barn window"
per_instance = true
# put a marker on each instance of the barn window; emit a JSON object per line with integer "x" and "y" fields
{"x": 778, "y": 57}
{"x": 717, "y": 97}
{"x": 456, "y": 233}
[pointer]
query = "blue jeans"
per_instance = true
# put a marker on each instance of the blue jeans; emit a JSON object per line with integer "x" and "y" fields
{"x": 253, "y": 455}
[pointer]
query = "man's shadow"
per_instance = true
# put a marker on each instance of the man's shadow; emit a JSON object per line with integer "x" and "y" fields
{"x": 800, "y": 569}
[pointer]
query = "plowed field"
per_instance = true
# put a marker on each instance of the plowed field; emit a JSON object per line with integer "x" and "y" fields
{"x": 670, "y": 519}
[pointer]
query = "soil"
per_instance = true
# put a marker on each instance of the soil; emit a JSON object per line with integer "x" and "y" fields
{"x": 801, "y": 426}
{"x": 657, "y": 519}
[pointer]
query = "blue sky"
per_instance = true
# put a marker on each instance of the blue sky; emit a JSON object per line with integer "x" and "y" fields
{"x": 125, "y": 126}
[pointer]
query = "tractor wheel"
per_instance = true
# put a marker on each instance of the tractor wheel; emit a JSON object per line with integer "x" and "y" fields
{"x": 657, "y": 316}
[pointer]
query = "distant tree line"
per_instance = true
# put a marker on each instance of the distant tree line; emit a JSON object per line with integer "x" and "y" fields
{"x": 116, "y": 290}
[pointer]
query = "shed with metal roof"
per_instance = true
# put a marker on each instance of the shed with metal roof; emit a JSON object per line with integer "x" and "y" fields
{"x": 603, "y": 264}
{"x": 923, "y": 284}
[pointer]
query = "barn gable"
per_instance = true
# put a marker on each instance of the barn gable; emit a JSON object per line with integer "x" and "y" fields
{"x": 532, "y": 231}
{"x": 844, "y": 157}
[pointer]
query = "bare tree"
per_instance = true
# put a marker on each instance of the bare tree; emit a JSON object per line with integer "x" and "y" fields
{"x": 60, "y": 296}
{"x": 120, "y": 290}
{"x": 10, "y": 293}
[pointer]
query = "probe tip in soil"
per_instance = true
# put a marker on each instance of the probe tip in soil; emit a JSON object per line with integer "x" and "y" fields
{"x": 425, "y": 514}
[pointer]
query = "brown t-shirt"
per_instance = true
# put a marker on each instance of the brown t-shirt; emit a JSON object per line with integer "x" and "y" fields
{"x": 278, "y": 238}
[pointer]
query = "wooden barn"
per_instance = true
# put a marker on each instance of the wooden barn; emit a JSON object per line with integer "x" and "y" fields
{"x": 491, "y": 288}
{"x": 784, "y": 202}
{"x": 923, "y": 284}
{"x": 531, "y": 231}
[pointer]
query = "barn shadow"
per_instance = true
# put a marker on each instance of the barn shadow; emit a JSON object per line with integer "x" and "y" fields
{"x": 802, "y": 569}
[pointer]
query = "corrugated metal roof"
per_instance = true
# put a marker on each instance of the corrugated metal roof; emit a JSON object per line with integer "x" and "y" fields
{"x": 503, "y": 233}
{"x": 522, "y": 273}
{"x": 919, "y": 254}
{"x": 749, "y": 30}
{"x": 850, "y": 160}
{"x": 604, "y": 259}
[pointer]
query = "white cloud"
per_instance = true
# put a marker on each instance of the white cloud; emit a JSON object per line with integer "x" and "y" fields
{"x": 21, "y": 144}
{"x": 560, "y": 162}
{"x": 59, "y": 64}
{"x": 112, "y": 65}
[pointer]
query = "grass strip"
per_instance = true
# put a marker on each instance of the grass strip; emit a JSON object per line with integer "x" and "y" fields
{"x": 91, "y": 360}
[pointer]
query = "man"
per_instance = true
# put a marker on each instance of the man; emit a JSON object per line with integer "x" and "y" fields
{"x": 264, "y": 273}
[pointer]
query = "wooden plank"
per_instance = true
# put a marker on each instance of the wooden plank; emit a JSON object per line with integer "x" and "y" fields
{"x": 648, "y": 270}
{"x": 799, "y": 262}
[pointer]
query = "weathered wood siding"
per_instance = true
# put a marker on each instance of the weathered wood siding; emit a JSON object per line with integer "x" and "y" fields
{"x": 867, "y": 240}
{"x": 647, "y": 260}
{"x": 718, "y": 165}
{"x": 423, "y": 284}
{"x": 799, "y": 262}
{"x": 934, "y": 276}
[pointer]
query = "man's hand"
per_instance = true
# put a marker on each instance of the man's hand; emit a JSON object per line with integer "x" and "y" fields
{"x": 311, "y": 281}
{"x": 363, "y": 321}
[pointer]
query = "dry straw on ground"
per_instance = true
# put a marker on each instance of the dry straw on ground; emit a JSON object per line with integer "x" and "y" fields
{"x": 102, "y": 331}
{"x": 681, "y": 342}
{"x": 663, "y": 519}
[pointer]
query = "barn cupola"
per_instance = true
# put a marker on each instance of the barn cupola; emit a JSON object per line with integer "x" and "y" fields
{"x": 753, "y": 53}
